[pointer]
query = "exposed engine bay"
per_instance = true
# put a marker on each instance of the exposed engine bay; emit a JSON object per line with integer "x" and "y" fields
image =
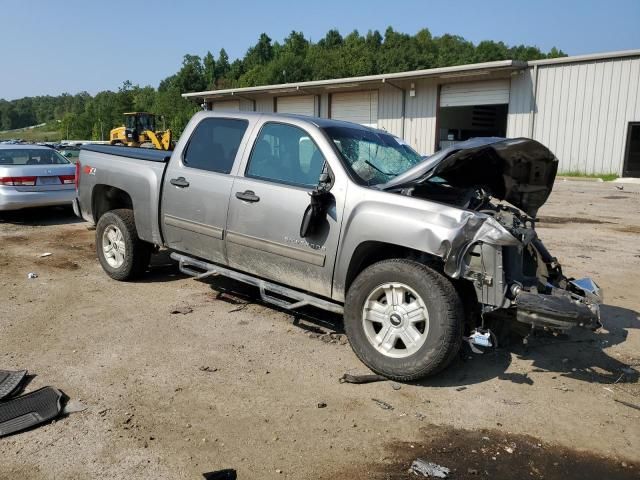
{"x": 524, "y": 278}
{"x": 505, "y": 182}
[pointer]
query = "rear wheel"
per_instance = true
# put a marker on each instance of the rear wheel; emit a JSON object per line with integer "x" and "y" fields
{"x": 121, "y": 253}
{"x": 403, "y": 319}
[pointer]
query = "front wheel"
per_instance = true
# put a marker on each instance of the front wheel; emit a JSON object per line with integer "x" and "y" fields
{"x": 403, "y": 319}
{"x": 121, "y": 253}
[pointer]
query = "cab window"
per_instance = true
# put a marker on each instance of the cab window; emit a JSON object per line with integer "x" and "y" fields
{"x": 285, "y": 154}
{"x": 214, "y": 144}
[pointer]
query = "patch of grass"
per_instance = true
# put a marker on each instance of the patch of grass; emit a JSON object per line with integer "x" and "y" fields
{"x": 607, "y": 177}
{"x": 45, "y": 133}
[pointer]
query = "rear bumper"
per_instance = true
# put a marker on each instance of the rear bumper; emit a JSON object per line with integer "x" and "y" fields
{"x": 76, "y": 207}
{"x": 83, "y": 214}
{"x": 12, "y": 199}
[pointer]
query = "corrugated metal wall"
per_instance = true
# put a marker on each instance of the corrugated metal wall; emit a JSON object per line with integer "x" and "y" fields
{"x": 390, "y": 110}
{"x": 520, "y": 103}
{"x": 420, "y": 116}
{"x": 264, "y": 104}
{"x": 581, "y": 111}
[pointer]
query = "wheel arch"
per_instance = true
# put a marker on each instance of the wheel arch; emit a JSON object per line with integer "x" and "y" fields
{"x": 106, "y": 197}
{"x": 369, "y": 252}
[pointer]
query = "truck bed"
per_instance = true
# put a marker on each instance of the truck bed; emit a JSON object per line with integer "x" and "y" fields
{"x": 149, "y": 154}
{"x": 114, "y": 172}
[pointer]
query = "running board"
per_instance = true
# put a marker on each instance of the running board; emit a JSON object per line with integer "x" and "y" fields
{"x": 10, "y": 381}
{"x": 29, "y": 410}
{"x": 298, "y": 299}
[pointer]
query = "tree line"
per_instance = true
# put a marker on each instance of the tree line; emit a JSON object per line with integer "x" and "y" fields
{"x": 295, "y": 59}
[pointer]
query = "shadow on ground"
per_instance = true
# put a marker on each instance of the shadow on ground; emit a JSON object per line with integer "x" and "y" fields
{"x": 580, "y": 354}
{"x": 41, "y": 216}
{"x": 161, "y": 269}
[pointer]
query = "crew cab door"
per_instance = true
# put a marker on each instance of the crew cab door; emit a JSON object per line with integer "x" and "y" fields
{"x": 266, "y": 208}
{"x": 197, "y": 185}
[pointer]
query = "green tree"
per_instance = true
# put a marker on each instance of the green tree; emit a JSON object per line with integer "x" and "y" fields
{"x": 296, "y": 59}
{"x": 209, "y": 64}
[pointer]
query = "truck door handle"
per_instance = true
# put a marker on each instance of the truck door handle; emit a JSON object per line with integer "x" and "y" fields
{"x": 179, "y": 182}
{"x": 248, "y": 196}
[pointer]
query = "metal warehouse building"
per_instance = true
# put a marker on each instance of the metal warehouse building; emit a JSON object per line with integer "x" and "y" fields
{"x": 586, "y": 109}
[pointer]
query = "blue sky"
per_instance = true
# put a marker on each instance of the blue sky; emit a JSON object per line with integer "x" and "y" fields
{"x": 50, "y": 47}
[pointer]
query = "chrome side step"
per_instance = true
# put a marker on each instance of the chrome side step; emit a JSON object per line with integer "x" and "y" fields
{"x": 189, "y": 265}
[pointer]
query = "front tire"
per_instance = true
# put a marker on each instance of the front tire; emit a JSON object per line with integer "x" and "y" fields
{"x": 120, "y": 252}
{"x": 403, "y": 319}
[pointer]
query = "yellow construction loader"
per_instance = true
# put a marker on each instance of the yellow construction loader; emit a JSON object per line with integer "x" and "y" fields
{"x": 139, "y": 130}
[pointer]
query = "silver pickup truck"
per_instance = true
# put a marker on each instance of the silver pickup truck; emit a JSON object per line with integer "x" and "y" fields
{"x": 418, "y": 253}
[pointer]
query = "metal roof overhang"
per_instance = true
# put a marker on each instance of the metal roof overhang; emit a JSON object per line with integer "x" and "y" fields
{"x": 314, "y": 87}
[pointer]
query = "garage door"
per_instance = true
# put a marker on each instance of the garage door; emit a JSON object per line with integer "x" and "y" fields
{"x": 300, "y": 105}
{"x": 492, "y": 92}
{"x": 357, "y": 107}
{"x": 228, "y": 106}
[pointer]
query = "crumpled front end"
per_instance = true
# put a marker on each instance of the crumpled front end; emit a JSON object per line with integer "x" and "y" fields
{"x": 520, "y": 277}
{"x": 500, "y": 184}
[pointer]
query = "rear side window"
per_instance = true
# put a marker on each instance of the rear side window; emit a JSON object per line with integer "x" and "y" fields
{"x": 22, "y": 156}
{"x": 214, "y": 144}
{"x": 285, "y": 154}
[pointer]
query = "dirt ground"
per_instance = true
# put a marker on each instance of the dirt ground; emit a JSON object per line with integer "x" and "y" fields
{"x": 234, "y": 384}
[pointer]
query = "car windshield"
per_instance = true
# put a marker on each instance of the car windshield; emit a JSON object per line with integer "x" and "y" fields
{"x": 374, "y": 157}
{"x": 26, "y": 156}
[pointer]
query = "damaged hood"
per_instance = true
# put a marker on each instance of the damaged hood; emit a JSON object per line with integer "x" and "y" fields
{"x": 520, "y": 171}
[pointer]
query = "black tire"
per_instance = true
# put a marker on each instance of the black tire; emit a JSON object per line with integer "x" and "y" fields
{"x": 137, "y": 252}
{"x": 446, "y": 319}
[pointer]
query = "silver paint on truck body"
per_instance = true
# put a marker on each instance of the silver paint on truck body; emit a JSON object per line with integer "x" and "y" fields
{"x": 261, "y": 238}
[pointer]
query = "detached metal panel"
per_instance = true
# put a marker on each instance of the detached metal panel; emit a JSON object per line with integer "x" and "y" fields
{"x": 582, "y": 111}
{"x": 464, "y": 94}
{"x": 357, "y": 107}
{"x": 298, "y": 104}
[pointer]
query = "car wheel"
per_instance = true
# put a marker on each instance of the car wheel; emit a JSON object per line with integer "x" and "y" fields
{"x": 121, "y": 253}
{"x": 403, "y": 319}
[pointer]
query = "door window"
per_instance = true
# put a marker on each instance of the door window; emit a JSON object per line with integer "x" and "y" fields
{"x": 285, "y": 154}
{"x": 214, "y": 144}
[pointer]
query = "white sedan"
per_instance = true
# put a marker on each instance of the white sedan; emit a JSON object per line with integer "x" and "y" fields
{"x": 34, "y": 176}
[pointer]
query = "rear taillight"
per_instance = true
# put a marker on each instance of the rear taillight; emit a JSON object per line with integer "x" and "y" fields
{"x": 77, "y": 179}
{"x": 18, "y": 181}
{"x": 67, "y": 179}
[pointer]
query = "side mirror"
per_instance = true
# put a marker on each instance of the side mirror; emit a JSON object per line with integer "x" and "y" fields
{"x": 320, "y": 198}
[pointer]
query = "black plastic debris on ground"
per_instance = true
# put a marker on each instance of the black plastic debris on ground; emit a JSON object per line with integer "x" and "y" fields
{"x": 10, "y": 382}
{"x": 226, "y": 474}
{"x": 183, "y": 310}
{"x": 30, "y": 410}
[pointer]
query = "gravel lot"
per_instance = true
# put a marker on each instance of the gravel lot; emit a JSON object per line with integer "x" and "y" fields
{"x": 237, "y": 384}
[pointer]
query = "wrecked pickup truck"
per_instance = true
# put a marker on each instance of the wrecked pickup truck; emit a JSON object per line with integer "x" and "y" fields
{"x": 417, "y": 253}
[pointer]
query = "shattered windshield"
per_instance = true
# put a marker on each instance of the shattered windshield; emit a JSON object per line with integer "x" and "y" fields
{"x": 374, "y": 157}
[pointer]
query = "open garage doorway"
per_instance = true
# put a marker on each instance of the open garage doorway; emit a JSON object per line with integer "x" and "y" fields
{"x": 462, "y": 123}
{"x": 472, "y": 109}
